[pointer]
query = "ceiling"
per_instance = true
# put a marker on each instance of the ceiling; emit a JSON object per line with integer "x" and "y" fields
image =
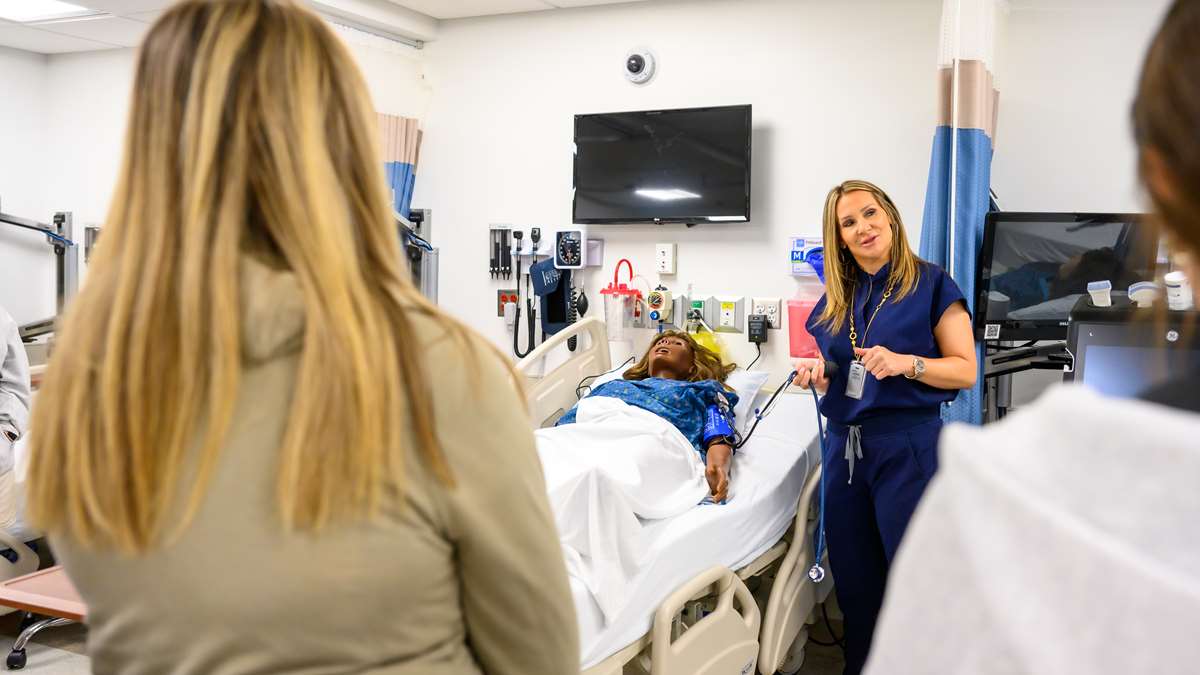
{"x": 126, "y": 21}
{"x": 461, "y": 9}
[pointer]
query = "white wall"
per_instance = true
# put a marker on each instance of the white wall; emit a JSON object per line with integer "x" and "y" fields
{"x": 62, "y": 130}
{"x": 88, "y": 101}
{"x": 839, "y": 89}
{"x": 26, "y": 261}
{"x": 1067, "y": 77}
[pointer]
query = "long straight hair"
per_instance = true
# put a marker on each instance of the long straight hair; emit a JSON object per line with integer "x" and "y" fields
{"x": 840, "y": 265}
{"x": 250, "y": 128}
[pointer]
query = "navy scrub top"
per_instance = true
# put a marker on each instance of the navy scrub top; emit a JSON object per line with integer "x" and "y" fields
{"x": 904, "y": 327}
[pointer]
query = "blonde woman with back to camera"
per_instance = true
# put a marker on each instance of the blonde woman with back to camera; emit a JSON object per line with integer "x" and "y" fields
{"x": 241, "y": 452}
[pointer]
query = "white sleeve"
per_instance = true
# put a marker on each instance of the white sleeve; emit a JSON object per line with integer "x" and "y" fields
{"x": 14, "y": 380}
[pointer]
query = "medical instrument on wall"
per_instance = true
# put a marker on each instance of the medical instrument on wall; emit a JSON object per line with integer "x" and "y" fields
{"x": 553, "y": 286}
{"x": 66, "y": 266}
{"x": 570, "y": 248}
{"x": 505, "y": 256}
{"x": 620, "y": 303}
{"x": 702, "y": 333}
{"x": 415, "y": 232}
{"x": 494, "y": 250}
{"x": 578, "y": 307}
{"x": 661, "y": 304}
{"x": 531, "y": 317}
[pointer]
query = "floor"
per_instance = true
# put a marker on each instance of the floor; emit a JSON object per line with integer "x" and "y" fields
{"x": 820, "y": 660}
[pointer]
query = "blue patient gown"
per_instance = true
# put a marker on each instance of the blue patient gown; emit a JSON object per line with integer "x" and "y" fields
{"x": 683, "y": 404}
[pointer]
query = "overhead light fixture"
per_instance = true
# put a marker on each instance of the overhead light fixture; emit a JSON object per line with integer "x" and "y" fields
{"x": 668, "y": 195}
{"x": 38, "y": 11}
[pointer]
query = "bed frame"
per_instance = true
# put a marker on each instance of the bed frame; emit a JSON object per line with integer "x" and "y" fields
{"x": 713, "y": 623}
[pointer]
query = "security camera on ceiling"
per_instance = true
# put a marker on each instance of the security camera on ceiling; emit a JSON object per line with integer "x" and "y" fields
{"x": 639, "y": 65}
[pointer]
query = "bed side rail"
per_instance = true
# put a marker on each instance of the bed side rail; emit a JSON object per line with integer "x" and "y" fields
{"x": 552, "y": 393}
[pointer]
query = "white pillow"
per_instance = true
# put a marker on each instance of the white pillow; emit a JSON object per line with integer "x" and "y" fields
{"x": 746, "y": 383}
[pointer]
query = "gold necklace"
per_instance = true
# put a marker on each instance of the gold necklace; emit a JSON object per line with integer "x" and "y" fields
{"x": 887, "y": 293}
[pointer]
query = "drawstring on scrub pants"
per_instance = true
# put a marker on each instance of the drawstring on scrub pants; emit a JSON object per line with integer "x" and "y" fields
{"x": 853, "y": 448}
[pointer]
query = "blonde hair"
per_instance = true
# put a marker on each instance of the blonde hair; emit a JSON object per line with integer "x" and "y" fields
{"x": 840, "y": 276}
{"x": 250, "y": 128}
{"x": 706, "y": 364}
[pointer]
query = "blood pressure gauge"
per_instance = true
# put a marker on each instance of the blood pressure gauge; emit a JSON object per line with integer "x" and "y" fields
{"x": 570, "y": 249}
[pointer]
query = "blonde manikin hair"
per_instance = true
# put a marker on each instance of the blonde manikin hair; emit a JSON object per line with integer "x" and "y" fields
{"x": 250, "y": 129}
{"x": 706, "y": 364}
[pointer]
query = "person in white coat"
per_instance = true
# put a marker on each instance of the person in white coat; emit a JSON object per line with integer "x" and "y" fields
{"x": 14, "y": 411}
{"x": 1063, "y": 539}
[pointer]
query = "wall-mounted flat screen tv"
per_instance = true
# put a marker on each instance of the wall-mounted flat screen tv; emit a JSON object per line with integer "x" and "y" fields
{"x": 663, "y": 166}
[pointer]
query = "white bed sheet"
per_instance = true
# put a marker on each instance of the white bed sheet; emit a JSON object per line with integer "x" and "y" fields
{"x": 768, "y": 475}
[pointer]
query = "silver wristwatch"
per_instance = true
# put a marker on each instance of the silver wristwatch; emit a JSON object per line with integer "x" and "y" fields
{"x": 918, "y": 368}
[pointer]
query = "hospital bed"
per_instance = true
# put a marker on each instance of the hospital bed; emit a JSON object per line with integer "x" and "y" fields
{"x": 694, "y": 610}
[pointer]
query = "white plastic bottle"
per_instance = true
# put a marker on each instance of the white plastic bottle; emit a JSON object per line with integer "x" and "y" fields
{"x": 1179, "y": 291}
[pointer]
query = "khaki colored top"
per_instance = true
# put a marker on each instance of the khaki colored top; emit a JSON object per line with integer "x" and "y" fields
{"x": 459, "y": 581}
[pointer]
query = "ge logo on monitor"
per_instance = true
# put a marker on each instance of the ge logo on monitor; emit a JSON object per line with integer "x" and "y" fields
{"x": 1172, "y": 336}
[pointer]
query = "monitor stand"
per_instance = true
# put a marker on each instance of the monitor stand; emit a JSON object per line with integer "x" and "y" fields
{"x": 1002, "y": 361}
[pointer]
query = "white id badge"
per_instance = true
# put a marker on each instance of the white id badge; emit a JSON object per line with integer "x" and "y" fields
{"x": 856, "y": 377}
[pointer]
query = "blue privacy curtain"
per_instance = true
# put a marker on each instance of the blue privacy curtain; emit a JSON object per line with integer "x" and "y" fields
{"x": 401, "y": 146}
{"x": 960, "y": 169}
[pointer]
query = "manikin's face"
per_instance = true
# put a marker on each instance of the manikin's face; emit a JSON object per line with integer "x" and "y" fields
{"x": 671, "y": 357}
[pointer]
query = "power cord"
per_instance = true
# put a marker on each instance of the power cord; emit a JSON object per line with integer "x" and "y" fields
{"x": 837, "y": 641}
{"x": 579, "y": 393}
{"x": 759, "y": 345}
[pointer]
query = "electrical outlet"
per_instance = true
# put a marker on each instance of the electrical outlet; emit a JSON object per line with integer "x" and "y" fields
{"x": 503, "y": 296}
{"x": 664, "y": 258}
{"x": 770, "y": 308}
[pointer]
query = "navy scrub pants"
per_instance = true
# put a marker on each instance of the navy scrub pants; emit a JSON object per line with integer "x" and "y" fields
{"x": 866, "y": 513}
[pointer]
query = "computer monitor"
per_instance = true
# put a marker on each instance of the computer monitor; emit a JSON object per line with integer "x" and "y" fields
{"x": 1033, "y": 267}
{"x": 1122, "y": 352}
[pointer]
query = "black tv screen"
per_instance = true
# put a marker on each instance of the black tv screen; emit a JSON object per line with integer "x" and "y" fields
{"x": 1034, "y": 266}
{"x": 663, "y": 166}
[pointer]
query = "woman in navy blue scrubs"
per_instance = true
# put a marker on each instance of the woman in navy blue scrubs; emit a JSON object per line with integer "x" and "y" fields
{"x": 902, "y": 325}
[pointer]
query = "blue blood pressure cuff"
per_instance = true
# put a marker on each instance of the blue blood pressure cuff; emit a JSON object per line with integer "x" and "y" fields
{"x": 717, "y": 424}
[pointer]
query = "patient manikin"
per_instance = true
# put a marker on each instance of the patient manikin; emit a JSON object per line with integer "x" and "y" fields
{"x": 682, "y": 382}
{"x": 634, "y": 452}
